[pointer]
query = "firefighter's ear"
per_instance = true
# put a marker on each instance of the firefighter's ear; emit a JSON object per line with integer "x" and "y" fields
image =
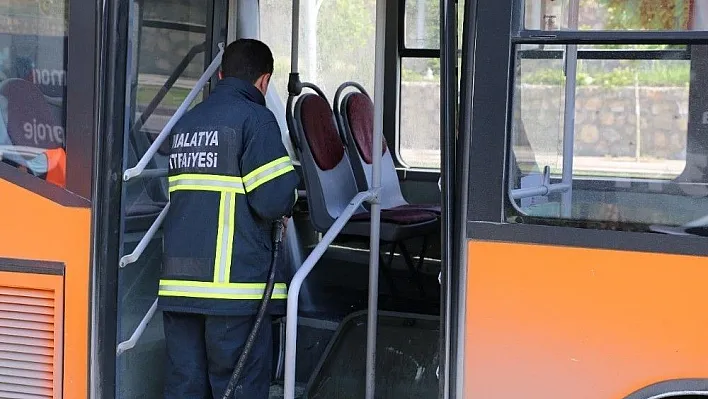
{"x": 220, "y": 74}
{"x": 262, "y": 83}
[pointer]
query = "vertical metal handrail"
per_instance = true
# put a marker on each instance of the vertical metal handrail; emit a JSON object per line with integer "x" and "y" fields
{"x": 140, "y": 248}
{"x": 133, "y": 340}
{"x": 138, "y": 169}
{"x": 296, "y": 285}
{"x": 375, "y": 235}
{"x": 571, "y": 67}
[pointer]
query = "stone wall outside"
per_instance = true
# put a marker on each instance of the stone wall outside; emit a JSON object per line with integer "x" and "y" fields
{"x": 606, "y": 122}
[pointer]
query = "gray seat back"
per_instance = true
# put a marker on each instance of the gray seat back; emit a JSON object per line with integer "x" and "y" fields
{"x": 355, "y": 116}
{"x": 326, "y": 168}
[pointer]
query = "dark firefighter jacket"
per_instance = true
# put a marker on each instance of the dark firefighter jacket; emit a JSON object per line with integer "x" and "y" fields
{"x": 229, "y": 178}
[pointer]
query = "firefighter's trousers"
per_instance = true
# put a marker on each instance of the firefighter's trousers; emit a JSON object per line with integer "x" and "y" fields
{"x": 202, "y": 352}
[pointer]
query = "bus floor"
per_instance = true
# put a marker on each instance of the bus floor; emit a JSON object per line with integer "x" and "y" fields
{"x": 337, "y": 289}
{"x": 278, "y": 392}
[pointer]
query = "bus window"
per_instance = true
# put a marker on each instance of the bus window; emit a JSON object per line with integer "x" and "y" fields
{"x": 419, "y": 124}
{"x": 419, "y": 139}
{"x": 336, "y": 42}
{"x": 422, "y": 24}
{"x": 32, "y": 87}
{"x": 638, "y": 155}
{"x": 620, "y": 15}
{"x": 163, "y": 42}
{"x": 169, "y": 55}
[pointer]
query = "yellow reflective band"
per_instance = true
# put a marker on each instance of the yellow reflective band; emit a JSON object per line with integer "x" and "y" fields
{"x": 206, "y": 183}
{"x": 224, "y": 231}
{"x": 202, "y": 289}
{"x": 267, "y": 172}
{"x": 231, "y": 198}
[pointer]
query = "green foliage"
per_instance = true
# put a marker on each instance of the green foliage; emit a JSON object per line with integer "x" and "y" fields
{"x": 409, "y": 75}
{"x": 659, "y": 75}
{"x": 431, "y": 24}
{"x": 421, "y": 69}
{"x": 348, "y": 22}
{"x": 646, "y": 14}
{"x": 173, "y": 98}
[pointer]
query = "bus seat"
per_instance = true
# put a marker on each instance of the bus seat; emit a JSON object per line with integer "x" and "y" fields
{"x": 355, "y": 117}
{"x": 30, "y": 120}
{"x": 330, "y": 181}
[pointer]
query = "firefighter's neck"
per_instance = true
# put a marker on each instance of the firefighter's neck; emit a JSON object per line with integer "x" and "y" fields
{"x": 261, "y": 83}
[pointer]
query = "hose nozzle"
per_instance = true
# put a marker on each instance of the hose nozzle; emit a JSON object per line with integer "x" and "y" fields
{"x": 278, "y": 228}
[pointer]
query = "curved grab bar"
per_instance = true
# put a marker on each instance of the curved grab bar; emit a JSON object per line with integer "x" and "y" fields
{"x": 138, "y": 169}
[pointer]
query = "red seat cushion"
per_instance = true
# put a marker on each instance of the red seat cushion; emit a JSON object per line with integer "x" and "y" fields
{"x": 321, "y": 132}
{"x": 360, "y": 111}
{"x": 399, "y": 216}
{"x": 421, "y": 207}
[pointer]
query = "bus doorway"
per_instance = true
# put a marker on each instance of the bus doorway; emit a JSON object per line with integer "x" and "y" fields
{"x": 174, "y": 52}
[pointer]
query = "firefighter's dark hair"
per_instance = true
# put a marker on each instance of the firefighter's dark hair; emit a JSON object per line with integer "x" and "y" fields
{"x": 247, "y": 59}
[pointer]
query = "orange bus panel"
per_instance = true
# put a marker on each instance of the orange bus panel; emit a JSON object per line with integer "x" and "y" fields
{"x": 561, "y": 322}
{"x": 36, "y": 228}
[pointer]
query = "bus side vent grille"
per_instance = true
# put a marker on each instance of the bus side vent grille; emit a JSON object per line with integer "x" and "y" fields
{"x": 27, "y": 344}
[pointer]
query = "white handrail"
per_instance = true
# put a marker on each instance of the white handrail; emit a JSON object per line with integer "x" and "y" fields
{"x": 375, "y": 231}
{"x": 130, "y": 343}
{"x": 135, "y": 255}
{"x": 138, "y": 169}
{"x": 296, "y": 284}
{"x": 543, "y": 189}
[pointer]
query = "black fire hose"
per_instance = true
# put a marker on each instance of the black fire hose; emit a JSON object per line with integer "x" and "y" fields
{"x": 267, "y": 294}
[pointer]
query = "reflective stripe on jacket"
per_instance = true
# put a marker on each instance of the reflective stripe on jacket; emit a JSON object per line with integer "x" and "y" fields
{"x": 230, "y": 178}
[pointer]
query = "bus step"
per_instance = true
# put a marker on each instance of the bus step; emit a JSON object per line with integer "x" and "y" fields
{"x": 406, "y": 358}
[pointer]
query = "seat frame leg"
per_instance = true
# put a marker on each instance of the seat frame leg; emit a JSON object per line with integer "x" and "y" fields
{"x": 411, "y": 268}
{"x": 386, "y": 270}
{"x": 423, "y": 252}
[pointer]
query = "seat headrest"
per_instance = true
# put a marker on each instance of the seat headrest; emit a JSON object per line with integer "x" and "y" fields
{"x": 321, "y": 132}
{"x": 360, "y": 115}
{"x": 30, "y": 121}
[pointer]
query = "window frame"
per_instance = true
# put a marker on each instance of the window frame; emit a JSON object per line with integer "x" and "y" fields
{"x": 80, "y": 108}
{"x": 82, "y": 95}
{"x": 518, "y": 21}
{"x": 605, "y": 55}
{"x": 520, "y": 36}
{"x": 412, "y": 53}
{"x": 420, "y": 173}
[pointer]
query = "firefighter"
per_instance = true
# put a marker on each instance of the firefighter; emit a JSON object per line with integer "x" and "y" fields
{"x": 230, "y": 177}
